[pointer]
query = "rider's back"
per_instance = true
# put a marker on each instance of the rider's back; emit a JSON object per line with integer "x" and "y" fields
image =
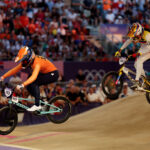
{"x": 45, "y": 65}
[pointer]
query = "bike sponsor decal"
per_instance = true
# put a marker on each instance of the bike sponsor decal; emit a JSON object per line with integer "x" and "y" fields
{"x": 15, "y": 99}
{"x": 7, "y": 92}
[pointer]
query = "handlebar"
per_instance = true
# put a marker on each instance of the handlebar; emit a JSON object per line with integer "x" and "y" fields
{"x": 122, "y": 60}
{"x": 134, "y": 55}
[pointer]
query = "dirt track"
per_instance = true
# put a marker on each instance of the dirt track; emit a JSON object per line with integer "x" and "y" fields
{"x": 120, "y": 125}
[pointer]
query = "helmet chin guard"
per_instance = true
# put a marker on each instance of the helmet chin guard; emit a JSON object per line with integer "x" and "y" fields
{"x": 25, "y": 56}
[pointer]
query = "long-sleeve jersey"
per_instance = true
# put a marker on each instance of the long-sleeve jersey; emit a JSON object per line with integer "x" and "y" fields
{"x": 39, "y": 65}
{"x": 145, "y": 40}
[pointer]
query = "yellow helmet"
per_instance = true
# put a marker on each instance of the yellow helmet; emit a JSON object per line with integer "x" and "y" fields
{"x": 135, "y": 30}
{"x": 25, "y": 56}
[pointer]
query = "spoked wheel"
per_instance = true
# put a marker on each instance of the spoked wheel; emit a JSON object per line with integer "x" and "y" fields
{"x": 8, "y": 120}
{"x": 110, "y": 87}
{"x": 148, "y": 97}
{"x": 60, "y": 109}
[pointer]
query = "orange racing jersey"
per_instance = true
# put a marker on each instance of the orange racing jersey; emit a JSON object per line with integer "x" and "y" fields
{"x": 39, "y": 65}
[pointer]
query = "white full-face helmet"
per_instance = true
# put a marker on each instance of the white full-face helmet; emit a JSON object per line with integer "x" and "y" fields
{"x": 135, "y": 30}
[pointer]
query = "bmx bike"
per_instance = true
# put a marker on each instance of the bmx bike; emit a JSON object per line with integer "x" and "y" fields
{"x": 112, "y": 82}
{"x": 57, "y": 110}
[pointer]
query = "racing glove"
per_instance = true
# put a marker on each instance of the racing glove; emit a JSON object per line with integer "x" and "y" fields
{"x": 20, "y": 87}
{"x": 118, "y": 53}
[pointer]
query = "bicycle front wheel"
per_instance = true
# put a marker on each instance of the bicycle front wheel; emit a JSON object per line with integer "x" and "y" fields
{"x": 148, "y": 97}
{"x": 59, "y": 109}
{"x": 109, "y": 85}
{"x": 8, "y": 120}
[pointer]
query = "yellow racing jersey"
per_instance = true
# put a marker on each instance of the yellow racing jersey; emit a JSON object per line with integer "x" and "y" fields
{"x": 144, "y": 40}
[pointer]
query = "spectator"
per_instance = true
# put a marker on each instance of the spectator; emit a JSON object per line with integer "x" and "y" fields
{"x": 25, "y": 94}
{"x": 58, "y": 90}
{"x": 87, "y": 4}
{"x": 59, "y": 4}
{"x": 50, "y": 5}
{"x": 73, "y": 95}
{"x": 126, "y": 90}
{"x": 30, "y": 12}
{"x": 2, "y": 17}
{"x": 110, "y": 17}
{"x": 17, "y": 24}
{"x": 103, "y": 98}
{"x": 57, "y": 23}
{"x": 80, "y": 77}
{"x": 15, "y": 80}
{"x": 83, "y": 94}
{"x": 27, "y": 41}
{"x": 24, "y": 20}
{"x": 94, "y": 88}
{"x": 72, "y": 15}
{"x": 119, "y": 20}
{"x": 31, "y": 26}
{"x": 70, "y": 83}
{"x": 42, "y": 92}
{"x": 106, "y": 5}
{"x": 92, "y": 96}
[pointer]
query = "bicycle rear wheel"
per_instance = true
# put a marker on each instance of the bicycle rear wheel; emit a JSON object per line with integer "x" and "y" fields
{"x": 109, "y": 86}
{"x": 8, "y": 120}
{"x": 60, "y": 109}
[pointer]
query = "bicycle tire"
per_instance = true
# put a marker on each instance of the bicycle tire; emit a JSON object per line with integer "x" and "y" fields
{"x": 115, "y": 95}
{"x": 8, "y": 118}
{"x": 56, "y": 117}
{"x": 148, "y": 97}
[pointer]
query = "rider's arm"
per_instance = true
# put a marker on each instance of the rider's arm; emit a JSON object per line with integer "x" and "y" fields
{"x": 12, "y": 71}
{"x": 127, "y": 42}
{"x": 34, "y": 75}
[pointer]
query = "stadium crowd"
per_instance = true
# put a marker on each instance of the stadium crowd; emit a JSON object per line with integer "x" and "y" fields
{"x": 60, "y": 32}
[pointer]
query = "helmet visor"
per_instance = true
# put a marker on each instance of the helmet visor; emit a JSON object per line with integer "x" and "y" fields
{"x": 22, "y": 52}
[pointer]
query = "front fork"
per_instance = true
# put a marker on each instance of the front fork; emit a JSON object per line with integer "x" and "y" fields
{"x": 10, "y": 104}
{"x": 120, "y": 74}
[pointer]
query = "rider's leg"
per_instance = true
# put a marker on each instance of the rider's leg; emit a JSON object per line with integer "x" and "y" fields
{"x": 145, "y": 51}
{"x": 42, "y": 79}
{"x": 34, "y": 90}
{"x": 139, "y": 65}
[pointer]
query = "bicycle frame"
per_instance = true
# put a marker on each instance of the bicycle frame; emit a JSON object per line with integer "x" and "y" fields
{"x": 15, "y": 101}
{"x": 55, "y": 111}
{"x": 126, "y": 71}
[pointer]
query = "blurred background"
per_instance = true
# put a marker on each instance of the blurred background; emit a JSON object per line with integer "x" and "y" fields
{"x": 79, "y": 36}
